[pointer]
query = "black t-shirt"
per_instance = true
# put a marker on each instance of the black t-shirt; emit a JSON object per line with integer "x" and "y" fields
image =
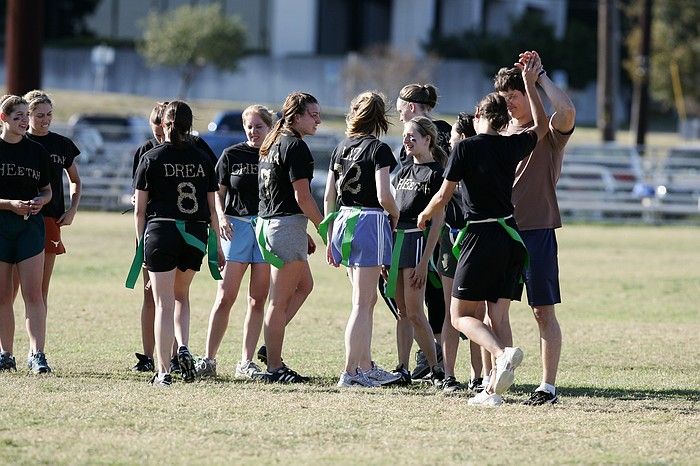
{"x": 62, "y": 152}
{"x": 177, "y": 179}
{"x": 455, "y": 211}
{"x": 415, "y": 185}
{"x": 354, "y": 163}
{"x": 151, "y": 143}
{"x": 485, "y": 164}
{"x": 288, "y": 160}
{"x": 237, "y": 169}
{"x": 444, "y": 129}
{"x": 24, "y": 169}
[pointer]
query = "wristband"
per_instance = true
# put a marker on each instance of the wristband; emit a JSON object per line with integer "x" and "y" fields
{"x": 542, "y": 71}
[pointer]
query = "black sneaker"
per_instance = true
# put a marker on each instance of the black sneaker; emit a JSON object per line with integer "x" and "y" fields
{"x": 282, "y": 375}
{"x": 541, "y": 397}
{"x": 7, "y": 362}
{"x": 450, "y": 385}
{"x": 165, "y": 380}
{"x": 174, "y": 365}
{"x": 186, "y": 361}
{"x": 405, "y": 375}
{"x": 422, "y": 368}
{"x": 476, "y": 385}
{"x": 144, "y": 363}
{"x": 437, "y": 377}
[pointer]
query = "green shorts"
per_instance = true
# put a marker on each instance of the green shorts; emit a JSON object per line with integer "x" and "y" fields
{"x": 20, "y": 239}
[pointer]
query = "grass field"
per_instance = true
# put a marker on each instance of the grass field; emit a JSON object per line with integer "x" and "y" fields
{"x": 629, "y": 376}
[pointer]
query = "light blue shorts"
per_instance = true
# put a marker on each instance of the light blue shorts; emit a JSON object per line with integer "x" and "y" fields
{"x": 242, "y": 248}
{"x": 371, "y": 242}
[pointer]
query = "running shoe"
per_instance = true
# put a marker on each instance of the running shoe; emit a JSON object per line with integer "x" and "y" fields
{"x": 402, "y": 372}
{"x": 422, "y": 368}
{"x": 541, "y": 397}
{"x": 450, "y": 385}
{"x": 358, "y": 379}
{"x": 437, "y": 376}
{"x": 505, "y": 368}
{"x": 205, "y": 368}
{"x": 187, "y": 369}
{"x": 476, "y": 385}
{"x": 485, "y": 399}
{"x": 380, "y": 376}
{"x": 143, "y": 364}
{"x": 7, "y": 362}
{"x": 282, "y": 375}
{"x": 161, "y": 380}
{"x": 246, "y": 369}
{"x": 174, "y": 365}
{"x": 37, "y": 363}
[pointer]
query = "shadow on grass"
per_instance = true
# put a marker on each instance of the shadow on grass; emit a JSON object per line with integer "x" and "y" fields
{"x": 326, "y": 384}
{"x": 630, "y": 394}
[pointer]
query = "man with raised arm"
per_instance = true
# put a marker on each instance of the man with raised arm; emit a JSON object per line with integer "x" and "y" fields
{"x": 537, "y": 213}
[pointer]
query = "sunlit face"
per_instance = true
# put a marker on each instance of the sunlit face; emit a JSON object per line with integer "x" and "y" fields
{"x": 157, "y": 131}
{"x": 414, "y": 143}
{"x": 17, "y": 122}
{"x": 40, "y": 119}
{"x": 255, "y": 129}
{"x": 406, "y": 110}
{"x": 518, "y": 105}
{"x": 307, "y": 123}
{"x": 455, "y": 137}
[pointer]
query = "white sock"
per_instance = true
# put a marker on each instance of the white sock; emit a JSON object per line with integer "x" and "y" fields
{"x": 486, "y": 381}
{"x": 545, "y": 387}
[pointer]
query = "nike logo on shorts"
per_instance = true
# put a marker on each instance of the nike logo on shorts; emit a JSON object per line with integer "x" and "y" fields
{"x": 460, "y": 288}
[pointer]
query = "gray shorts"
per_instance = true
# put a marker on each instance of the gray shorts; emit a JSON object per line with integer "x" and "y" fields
{"x": 287, "y": 237}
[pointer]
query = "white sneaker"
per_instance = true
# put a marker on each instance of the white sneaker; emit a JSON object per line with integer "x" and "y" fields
{"x": 246, "y": 369}
{"x": 380, "y": 376}
{"x": 358, "y": 379}
{"x": 205, "y": 368}
{"x": 485, "y": 399}
{"x": 505, "y": 368}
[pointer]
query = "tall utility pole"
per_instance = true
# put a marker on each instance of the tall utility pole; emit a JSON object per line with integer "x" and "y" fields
{"x": 608, "y": 65}
{"x": 640, "y": 99}
{"x": 24, "y": 24}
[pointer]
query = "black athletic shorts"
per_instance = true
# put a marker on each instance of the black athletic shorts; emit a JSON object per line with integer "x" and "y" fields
{"x": 20, "y": 239}
{"x": 166, "y": 249}
{"x": 490, "y": 265}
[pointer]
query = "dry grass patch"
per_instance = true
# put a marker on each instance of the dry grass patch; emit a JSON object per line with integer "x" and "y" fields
{"x": 629, "y": 387}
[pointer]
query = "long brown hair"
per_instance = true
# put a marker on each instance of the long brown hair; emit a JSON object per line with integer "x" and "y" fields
{"x": 367, "y": 115}
{"x": 178, "y": 117}
{"x": 294, "y": 104}
{"x": 427, "y": 128}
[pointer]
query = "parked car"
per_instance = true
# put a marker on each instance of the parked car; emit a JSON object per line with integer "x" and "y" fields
{"x": 226, "y": 129}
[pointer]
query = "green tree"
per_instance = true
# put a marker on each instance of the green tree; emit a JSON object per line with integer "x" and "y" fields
{"x": 574, "y": 53}
{"x": 675, "y": 38}
{"x": 191, "y": 37}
